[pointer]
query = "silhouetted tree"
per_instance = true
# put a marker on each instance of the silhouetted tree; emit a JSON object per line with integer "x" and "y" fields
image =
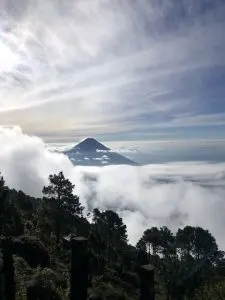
{"x": 197, "y": 242}
{"x": 10, "y": 218}
{"x": 2, "y": 181}
{"x": 141, "y": 245}
{"x": 112, "y": 229}
{"x": 198, "y": 257}
{"x": 167, "y": 242}
{"x": 60, "y": 202}
{"x": 3, "y": 196}
{"x": 152, "y": 240}
{"x": 184, "y": 240}
{"x": 142, "y": 255}
{"x": 205, "y": 245}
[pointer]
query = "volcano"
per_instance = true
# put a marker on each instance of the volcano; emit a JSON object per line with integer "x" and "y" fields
{"x": 90, "y": 152}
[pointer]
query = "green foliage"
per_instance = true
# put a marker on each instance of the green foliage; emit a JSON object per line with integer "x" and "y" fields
{"x": 23, "y": 273}
{"x": 167, "y": 242}
{"x": 111, "y": 286}
{"x": 110, "y": 224}
{"x": 60, "y": 194}
{"x": 188, "y": 264}
{"x": 141, "y": 245}
{"x": 152, "y": 239}
{"x": 211, "y": 291}
{"x": 46, "y": 278}
{"x": 59, "y": 202}
{"x": 197, "y": 242}
{"x": 49, "y": 279}
{"x": 10, "y": 217}
{"x": 157, "y": 241}
{"x": 183, "y": 261}
{"x": 110, "y": 231}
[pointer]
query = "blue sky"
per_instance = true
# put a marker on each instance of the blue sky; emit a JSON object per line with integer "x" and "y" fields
{"x": 116, "y": 70}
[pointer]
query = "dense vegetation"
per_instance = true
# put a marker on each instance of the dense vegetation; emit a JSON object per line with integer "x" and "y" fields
{"x": 188, "y": 264}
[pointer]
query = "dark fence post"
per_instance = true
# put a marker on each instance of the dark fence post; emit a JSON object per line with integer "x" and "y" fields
{"x": 79, "y": 269}
{"x": 32, "y": 291}
{"x": 1, "y": 277}
{"x": 146, "y": 275}
{"x": 8, "y": 285}
{"x": 4, "y": 194}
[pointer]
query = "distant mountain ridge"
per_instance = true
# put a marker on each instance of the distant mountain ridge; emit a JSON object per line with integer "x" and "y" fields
{"x": 90, "y": 152}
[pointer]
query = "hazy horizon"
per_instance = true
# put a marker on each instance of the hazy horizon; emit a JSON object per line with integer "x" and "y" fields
{"x": 147, "y": 152}
{"x": 175, "y": 194}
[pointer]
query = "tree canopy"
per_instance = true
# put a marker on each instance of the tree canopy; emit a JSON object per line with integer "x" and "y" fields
{"x": 188, "y": 263}
{"x": 59, "y": 201}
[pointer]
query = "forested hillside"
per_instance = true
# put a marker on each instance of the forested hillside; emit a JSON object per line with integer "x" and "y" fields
{"x": 188, "y": 264}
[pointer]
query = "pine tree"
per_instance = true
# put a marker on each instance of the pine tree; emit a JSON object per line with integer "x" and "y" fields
{"x": 59, "y": 201}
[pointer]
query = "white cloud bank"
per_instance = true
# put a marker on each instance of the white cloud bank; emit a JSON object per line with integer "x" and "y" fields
{"x": 171, "y": 194}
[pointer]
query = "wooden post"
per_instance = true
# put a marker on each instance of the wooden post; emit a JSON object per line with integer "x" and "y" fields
{"x": 8, "y": 270}
{"x": 31, "y": 292}
{"x": 79, "y": 269}
{"x": 4, "y": 193}
{"x": 146, "y": 275}
{"x": 1, "y": 277}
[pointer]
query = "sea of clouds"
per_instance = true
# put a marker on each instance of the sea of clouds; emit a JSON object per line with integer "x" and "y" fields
{"x": 174, "y": 194}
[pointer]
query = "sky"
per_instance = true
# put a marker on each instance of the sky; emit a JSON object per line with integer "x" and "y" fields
{"x": 120, "y": 71}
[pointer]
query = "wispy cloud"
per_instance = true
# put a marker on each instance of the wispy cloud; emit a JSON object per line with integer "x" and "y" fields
{"x": 109, "y": 67}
